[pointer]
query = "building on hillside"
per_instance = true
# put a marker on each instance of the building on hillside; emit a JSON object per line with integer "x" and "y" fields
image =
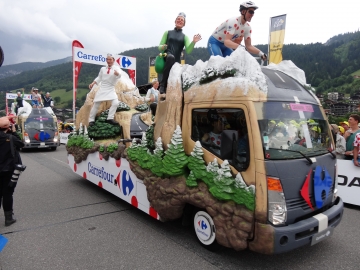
{"x": 334, "y": 96}
{"x": 341, "y": 96}
{"x": 341, "y": 108}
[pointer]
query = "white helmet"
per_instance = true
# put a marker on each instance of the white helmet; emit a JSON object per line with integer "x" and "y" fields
{"x": 248, "y": 4}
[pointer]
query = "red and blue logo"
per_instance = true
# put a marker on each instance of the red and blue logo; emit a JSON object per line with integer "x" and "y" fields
{"x": 322, "y": 182}
{"x": 202, "y": 224}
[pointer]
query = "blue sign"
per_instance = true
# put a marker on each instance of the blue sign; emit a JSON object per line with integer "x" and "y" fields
{"x": 322, "y": 184}
{"x": 125, "y": 62}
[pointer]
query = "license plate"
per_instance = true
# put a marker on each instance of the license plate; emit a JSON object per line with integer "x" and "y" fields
{"x": 42, "y": 144}
{"x": 325, "y": 234}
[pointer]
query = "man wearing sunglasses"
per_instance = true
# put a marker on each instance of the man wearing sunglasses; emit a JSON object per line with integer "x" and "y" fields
{"x": 224, "y": 39}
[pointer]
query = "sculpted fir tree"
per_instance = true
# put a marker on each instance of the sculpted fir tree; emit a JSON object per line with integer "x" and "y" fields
{"x": 196, "y": 165}
{"x": 157, "y": 165}
{"x": 175, "y": 159}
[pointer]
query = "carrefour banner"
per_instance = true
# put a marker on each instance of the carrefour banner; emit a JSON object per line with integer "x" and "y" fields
{"x": 14, "y": 96}
{"x": 99, "y": 58}
{"x": 277, "y": 36}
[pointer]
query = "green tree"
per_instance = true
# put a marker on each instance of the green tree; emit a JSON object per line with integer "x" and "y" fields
{"x": 175, "y": 158}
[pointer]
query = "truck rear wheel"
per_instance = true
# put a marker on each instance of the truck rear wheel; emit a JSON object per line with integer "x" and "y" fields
{"x": 205, "y": 231}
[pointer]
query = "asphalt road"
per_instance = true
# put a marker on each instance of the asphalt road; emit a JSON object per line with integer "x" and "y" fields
{"x": 66, "y": 222}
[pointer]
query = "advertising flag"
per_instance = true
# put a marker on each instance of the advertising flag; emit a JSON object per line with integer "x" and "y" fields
{"x": 1, "y": 57}
{"x": 76, "y": 71}
{"x": 277, "y": 35}
{"x": 152, "y": 73}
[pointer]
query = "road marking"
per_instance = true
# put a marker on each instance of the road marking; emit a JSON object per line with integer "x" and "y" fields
{"x": 60, "y": 161}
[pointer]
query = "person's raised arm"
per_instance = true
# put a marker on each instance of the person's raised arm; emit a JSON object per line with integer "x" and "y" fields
{"x": 163, "y": 45}
{"x": 189, "y": 46}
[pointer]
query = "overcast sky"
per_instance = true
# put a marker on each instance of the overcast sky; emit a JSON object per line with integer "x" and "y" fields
{"x": 42, "y": 30}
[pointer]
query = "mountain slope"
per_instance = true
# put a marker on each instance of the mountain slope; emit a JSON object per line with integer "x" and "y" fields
{"x": 11, "y": 70}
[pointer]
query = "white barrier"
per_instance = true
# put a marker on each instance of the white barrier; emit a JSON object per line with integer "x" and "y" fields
{"x": 348, "y": 181}
{"x": 64, "y": 138}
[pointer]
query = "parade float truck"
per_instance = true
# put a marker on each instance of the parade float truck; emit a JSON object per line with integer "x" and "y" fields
{"x": 264, "y": 181}
{"x": 38, "y": 127}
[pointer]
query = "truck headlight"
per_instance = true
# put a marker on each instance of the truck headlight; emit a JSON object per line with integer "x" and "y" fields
{"x": 26, "y": 138}
{"x": 277, "y": 212}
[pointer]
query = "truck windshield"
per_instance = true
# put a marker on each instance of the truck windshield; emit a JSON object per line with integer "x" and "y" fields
{"x": 40, "y": 124}
{"x": 292, "y": 130}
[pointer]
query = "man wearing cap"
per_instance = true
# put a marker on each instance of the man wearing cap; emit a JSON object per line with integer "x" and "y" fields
{"x": 108, "y": 77}
{"x": 340, "y": 143}
{"x": 48, "y": 101}
{"x": 345, "y": 125}
{"x": 35, "y": 98}
{"x": 227, "y": 36}
{"x": 213, "y": 138}
{"x": 10, "y": 142}
{"x": 172, "y": 43}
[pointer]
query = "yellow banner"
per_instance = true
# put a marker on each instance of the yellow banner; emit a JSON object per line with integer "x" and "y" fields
{"x": 277, "y": 36}
{"x": 152, "y": 73}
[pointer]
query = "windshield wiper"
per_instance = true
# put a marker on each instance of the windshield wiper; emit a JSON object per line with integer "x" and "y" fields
{"x": 334, "y": 156}
{"x": 296, "y": 151}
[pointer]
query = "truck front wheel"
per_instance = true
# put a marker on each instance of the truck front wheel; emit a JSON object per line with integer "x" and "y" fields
{"x": 205, "y": 230}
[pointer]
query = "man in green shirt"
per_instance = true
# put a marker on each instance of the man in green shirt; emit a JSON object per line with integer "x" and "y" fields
{"x": 172, "y": 43}
{"x": 350, "y": 135}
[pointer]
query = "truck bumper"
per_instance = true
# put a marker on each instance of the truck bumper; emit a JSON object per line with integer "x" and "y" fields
{"x": 39, "y": 145}
{"x": 302, "y": 233}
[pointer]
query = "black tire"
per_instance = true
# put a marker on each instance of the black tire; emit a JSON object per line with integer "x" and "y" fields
{"x": 205, "y": 230}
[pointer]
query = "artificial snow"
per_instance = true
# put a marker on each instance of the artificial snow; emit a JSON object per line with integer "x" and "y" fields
{"x": 290, "y": 69}
{"x": 248, "y": 71}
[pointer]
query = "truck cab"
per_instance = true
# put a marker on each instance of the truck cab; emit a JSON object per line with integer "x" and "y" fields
{"x": 39, "y": 129}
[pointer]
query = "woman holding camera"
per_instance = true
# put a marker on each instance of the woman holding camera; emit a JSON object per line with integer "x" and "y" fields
{"x": 10, "y": 166}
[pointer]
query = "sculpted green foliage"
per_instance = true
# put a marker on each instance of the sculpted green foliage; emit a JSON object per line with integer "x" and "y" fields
{"x": 112, "y": 147}
{"x": 103, "y": 130}
{"x": 80, "y": 141}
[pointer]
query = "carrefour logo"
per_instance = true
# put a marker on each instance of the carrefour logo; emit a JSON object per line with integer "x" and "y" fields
{"x": 85, "y": 56}
{"x": 127, "y": 183}
{"x": 100, "y": 172}
{"x": 322, "y": 182}
{"x": 202, "y": 224}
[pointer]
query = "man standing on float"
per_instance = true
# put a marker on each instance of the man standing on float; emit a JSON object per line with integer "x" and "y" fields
{"x": 108, "y": 77}
{"x": 173, "y": 42}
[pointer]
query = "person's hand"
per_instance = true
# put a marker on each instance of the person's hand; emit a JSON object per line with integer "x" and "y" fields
{"x": 262, "y": 55}
{"x": 163, "y": 47}
{"x": 356, "y": 162}
{"x": 116, "y": 73}
{"x": 152, "y": 98}
{"x": 349, "y": 153}
{"x": 91, "y": 85}
{"x": 196, "y": 38}
{"x": 13, "y": 128}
